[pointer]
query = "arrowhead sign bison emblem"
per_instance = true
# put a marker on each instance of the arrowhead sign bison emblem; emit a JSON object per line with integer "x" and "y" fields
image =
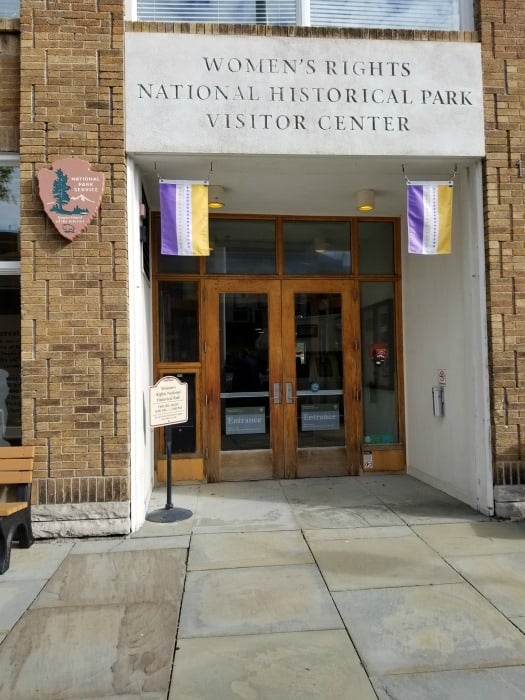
{"x": 71, "y": 194}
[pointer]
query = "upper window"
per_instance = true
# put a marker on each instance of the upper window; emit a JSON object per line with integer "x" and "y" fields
{"x": 9, "y": 8}
{"x": 9, "y": 211}
{"x": 393, "y": 14}
{"x": 280, "y": 12}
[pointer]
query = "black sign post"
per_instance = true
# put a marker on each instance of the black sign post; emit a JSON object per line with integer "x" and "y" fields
{"x": 168, "y": 407}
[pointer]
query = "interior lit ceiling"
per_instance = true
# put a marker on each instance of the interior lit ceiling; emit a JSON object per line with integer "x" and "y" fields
{"x": 307, "y": 185}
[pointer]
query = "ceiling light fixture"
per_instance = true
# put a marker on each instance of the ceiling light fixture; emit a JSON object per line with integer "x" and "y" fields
{"x": 365, "y": 200}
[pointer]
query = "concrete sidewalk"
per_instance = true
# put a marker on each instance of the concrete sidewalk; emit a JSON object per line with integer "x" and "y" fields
{"x": 358, "y": 588}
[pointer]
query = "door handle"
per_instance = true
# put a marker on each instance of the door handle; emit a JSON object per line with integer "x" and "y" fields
{"x": 289, "y": 392}
{"x": 277, "y": 392}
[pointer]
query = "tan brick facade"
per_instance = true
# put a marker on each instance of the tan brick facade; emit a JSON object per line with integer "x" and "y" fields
{"x": 74, "y": 294}
{"x": 503, "y": 46}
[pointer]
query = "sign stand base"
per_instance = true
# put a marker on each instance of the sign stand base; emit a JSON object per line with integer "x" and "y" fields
{"x": 168, "y": 514}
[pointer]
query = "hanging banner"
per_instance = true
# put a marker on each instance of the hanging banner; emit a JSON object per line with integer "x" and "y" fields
{"x": 184, "y": 218}
{"x": 429, "y": 217}
{"x": 71, "y": 194}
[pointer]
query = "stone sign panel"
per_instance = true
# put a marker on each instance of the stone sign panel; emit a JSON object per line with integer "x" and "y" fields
{"x": 292, "y": 95}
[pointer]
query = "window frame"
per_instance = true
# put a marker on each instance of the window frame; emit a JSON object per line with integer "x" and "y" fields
{"x": 10, "y": 267}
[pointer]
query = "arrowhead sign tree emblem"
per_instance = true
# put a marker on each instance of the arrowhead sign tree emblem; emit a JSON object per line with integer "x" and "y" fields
{"x": 71, "y": 194}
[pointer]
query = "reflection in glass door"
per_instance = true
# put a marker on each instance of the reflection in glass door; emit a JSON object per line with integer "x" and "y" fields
{"x": 319, "y": 370}
{"x": 245, "y": 398}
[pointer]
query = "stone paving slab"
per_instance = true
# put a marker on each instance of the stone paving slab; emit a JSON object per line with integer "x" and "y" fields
{"x": 415, "y": 502}
{"x": 485, "y": 684}
{"x": 256, "y": 600}
{"x": 500, "y": 578}
{"x": 244, "y": 549}
{"x": 380, "y": 563}
{"x": 15, "y": 598}
{"x": 243, "y": 506}
{"x": 80, "y": 652}
{"x": 293, "y": 666}
{"x": 428, "y": 628}
{"x": 474, "y": 538}
{"x": 117, "y": 578}
{"x": 39, "y": 561}
{"x": 402, "y": 488}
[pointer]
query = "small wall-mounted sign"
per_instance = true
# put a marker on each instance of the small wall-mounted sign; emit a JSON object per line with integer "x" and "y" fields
{"x": 71, "y": 194}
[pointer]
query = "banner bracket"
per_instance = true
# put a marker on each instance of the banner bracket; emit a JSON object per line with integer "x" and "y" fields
{"x": 449, "y": 178}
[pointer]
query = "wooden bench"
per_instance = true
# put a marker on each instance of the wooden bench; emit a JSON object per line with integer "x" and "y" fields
{"x": 16, "y": 475}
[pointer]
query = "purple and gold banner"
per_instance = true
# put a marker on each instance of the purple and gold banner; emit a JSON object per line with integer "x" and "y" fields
{"x": 184, "y": 218}
{"x": 429, "y": 217}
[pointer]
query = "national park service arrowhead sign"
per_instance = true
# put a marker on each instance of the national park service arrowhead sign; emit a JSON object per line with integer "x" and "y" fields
{"x": 71, "y": 194}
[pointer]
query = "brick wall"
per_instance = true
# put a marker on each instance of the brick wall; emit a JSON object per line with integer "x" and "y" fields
{"x": 502, "y": 33}
{"x": 9, "y": 85}
{"x": 74, "y": 294}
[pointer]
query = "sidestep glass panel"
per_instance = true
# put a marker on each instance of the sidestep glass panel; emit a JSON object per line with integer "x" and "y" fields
{"x": 376, "y": 248}
{"x": 319, "y": 370}
{"x": 178, "y": 322}
{"x": 380, "y": 419}
{"x": 245, "y": 398}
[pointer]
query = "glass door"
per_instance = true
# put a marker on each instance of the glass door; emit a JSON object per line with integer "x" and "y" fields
{"x": 321, "y": 378}
{"x": 281, "y": 395}
{"x": 243, "y": 394}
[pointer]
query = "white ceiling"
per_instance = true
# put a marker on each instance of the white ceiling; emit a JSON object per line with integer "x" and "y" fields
{"x": 297, "y": 185}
